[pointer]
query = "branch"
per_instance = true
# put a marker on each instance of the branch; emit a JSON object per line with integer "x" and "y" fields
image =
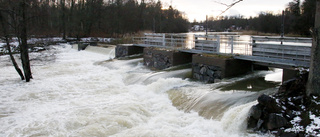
{"x": 221, "y": 3}
{"x": 229, "y": 6}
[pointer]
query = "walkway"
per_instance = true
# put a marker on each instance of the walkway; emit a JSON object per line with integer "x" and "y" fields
{"x": 286, "y": 52}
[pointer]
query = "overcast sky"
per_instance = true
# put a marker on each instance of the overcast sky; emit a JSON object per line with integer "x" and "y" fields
{"x": 198, "y": 9}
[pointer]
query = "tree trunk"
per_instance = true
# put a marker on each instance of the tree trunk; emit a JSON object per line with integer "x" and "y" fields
{"x": 13, "y": 60}
{"x": 63, "y": 19}
{"x": 24, "y": 45}
{"x": 313, "y": 85}
{"x": 4, "y": 29}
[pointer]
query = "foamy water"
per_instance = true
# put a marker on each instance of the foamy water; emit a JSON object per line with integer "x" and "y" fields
{"x": 86, "y": 94}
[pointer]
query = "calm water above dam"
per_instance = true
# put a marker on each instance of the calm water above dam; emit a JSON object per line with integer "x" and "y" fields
{"x": 87, "y": 94}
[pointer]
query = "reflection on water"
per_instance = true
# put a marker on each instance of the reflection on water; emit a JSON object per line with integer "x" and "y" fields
{"x": 251, "y": 84}
{"x": 229, "y": 42}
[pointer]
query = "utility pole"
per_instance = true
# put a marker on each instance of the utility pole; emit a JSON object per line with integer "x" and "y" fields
{"x": 206, "y": 25}
{"x": 282, "y": 27}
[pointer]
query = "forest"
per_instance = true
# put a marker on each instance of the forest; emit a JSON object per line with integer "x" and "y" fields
{"x": 83, "y": 18}
{"x": 298, "y": 19}
{"x": 117, "y": 18}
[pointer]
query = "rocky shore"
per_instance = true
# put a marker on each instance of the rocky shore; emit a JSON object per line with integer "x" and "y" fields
{"x": 288, "y": 113}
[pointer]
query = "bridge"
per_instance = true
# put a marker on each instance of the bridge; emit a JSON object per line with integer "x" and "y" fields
{"x": 279, "y": 52}
{"x": 221, "y": 55}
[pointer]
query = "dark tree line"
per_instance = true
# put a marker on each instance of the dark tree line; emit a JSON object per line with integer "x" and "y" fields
{"x": 299, "y": 18}
{"x": 83, "y": 18}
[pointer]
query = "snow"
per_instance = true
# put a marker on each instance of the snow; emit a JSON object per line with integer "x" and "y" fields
{"x": 14, "y": 43}
{"x": 311, "y": 130}
{"x": 314, "y": 127}
{"x": 54, "y": 39}
{"x": 98, "y": 39}
{"x": 296, "y": 125}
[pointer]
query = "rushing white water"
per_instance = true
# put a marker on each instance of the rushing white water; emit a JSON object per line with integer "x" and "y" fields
{"x": 86, "y": 94}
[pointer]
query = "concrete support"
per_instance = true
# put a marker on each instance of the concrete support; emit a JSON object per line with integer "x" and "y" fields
{"x": 213, "y": 68}
{"x": 124, "y": 50}
{"x": 288, "y": 74}
{"x": 82, "y": 46}
{"x": 163, "y": 58}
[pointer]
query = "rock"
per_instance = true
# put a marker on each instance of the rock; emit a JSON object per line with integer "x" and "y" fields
{"x": 278, "y": 110}
{"x": 269, "y": 103}
{"x": 121, "y": 51}
{"x": 281, "y": 133}
{"x": 210, "y": 73}
{"x": 214, "y": 68}
{"x": 260, "y": 123}
{"x": 217, "y": 80}
{"x": 203, "y": 70}
{"x": 276, "y": 121}
{"x": 252, "y": 123}
{"x": 195, "y": 68}
{"x": 217, "y": 74}
{"x": 286, "y": 85}
{"x": 196, "y": 76}
{"x": 206, "y": 79}
{"x": 255, "y": 112}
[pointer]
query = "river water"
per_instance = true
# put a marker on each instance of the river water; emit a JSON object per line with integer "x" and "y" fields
{"x": 89, "y": 94}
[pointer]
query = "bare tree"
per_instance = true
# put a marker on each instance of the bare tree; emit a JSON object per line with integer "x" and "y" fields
{"x": 313, "y": 85}
{"x": 24, "y": 44}
{"x": 6, "y": 37}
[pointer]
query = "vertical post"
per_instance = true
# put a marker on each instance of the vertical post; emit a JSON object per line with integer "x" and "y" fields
{"x": 218, "y": 44}
{"x": 172, "y": 43}
{"x": 282, "y": 27}
{"x": 154, "y": 25}
{"x": 253, "y": 45}
{"x": 231, "y": 44}
{"x": 163, "y": 39}
{"x": 206, "y": 25}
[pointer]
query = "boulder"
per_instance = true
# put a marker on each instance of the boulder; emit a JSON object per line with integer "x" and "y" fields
{"x": 276, "y": 121}
{"x": 269, "y": 103}
{"x": 255, "y": 111}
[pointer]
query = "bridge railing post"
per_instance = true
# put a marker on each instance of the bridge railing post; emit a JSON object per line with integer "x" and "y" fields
{"x": 231, "y": 41}
{"x": 218, "y": 44}
{"x": 163, "y": 39}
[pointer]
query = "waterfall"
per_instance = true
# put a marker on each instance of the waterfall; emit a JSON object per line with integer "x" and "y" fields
{"x": 88, "y": 93}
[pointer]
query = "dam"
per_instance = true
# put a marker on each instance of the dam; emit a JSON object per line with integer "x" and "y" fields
{"x": 214, "y": 57}
{"x": 90, "y": 93}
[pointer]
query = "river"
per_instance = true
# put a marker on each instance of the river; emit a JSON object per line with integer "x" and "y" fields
{"x": 89, "y": 94}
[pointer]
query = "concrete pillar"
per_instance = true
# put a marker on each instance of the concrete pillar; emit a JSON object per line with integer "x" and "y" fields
{"x": 212, "y": 68}
{"x": 82, "y": 46}
{"x": 124, "y": 50}
{"x": 288, "y": 74}
{"x": 163, "y": 58}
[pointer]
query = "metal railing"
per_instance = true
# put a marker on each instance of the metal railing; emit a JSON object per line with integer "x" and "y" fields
{"x": 285, "y": 49}
{"x": 162, "y": 40}
{"x": 207, "y": 43}
{"x": 276, "y": 49}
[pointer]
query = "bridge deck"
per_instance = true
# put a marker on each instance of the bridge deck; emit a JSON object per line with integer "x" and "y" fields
{"x": 262, "y": 50}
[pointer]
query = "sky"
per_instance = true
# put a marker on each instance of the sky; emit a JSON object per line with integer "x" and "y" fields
{"x": 198, "y": 9}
